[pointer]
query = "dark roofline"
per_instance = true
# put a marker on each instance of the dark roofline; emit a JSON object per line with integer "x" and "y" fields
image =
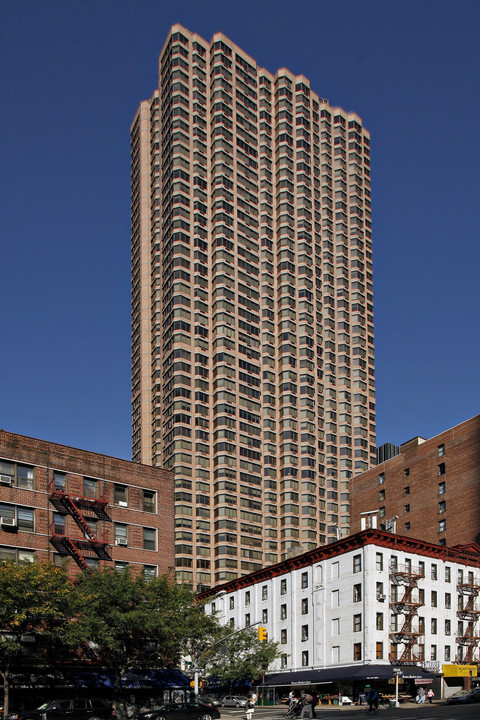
{"x": 468, "y": 554}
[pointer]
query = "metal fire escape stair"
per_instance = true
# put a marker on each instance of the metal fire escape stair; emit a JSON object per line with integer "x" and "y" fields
{"x": 468, "y": 641}
{"x": 67, "y": 545}
{"x": 408, "y": 635}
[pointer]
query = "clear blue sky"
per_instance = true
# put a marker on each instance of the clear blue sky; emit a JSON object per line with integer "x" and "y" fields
{"x": 72, "y": 76}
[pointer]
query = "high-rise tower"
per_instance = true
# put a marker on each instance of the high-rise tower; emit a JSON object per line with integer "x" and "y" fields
{"x": 252, "y": 315}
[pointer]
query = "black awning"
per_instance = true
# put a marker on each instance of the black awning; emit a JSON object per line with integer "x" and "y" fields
{"x": 334, "y": 674}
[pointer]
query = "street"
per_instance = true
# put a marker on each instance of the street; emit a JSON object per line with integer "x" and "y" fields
{"x": 409, "y": 712}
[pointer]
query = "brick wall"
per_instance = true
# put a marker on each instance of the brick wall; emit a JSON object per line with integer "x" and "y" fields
{"x": 47, "y": 457}
{"x": 417, "y": 469}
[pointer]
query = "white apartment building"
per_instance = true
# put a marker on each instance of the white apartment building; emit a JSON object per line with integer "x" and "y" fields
{"x": 358, "y": 607}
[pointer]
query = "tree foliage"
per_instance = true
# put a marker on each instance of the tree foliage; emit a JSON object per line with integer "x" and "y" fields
{"x": 239, "y": 655}
{"x": 35, "y": 604}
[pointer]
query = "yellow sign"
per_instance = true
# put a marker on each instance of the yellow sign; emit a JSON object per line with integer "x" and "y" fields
{"x": 459, "y": 670}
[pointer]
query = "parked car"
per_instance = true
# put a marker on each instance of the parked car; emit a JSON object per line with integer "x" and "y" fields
{"x": 71, "y": 709}
{"x": 234, "y": 701}
{"x": 464, "y": 696}
{"x": 181, "y": 711}
{"x": 208, "y": 700}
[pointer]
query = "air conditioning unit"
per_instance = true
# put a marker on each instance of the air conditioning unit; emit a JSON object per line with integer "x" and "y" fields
{"x": 6, "y": 479}
{"x": 121, "y": 541}
{"x": 8, "y": 522}
{"x": 122, "y": 503}
{"x": 381, "y": 598}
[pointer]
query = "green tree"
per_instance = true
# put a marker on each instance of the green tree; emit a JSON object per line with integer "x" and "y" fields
{"x": 35, "y": 603}
{"x": 126, "y": 621}
{"x": 240, "y": 655}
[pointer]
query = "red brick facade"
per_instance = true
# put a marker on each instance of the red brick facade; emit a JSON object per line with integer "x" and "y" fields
{"x": 124, "y": 510}
{"x": 433, "y": 487}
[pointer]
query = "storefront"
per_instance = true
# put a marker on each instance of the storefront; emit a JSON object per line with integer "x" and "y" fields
{"x": 350, "y": 681}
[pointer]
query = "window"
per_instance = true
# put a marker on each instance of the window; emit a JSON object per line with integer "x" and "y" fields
{"x": 59, "y": 481}
{"x": 283, "y": 661}
{"x": 406, "y": 472}
{"x": 434, "y": 572}
{"x": 23, "y": 518}
{"x": 149, "y": 539}
{"x": 150, "y": 572}
{"x": 441, "y": 450}
{"x": 305, "y": 580}
{"x": 335, "y": 654}
{"x": 247, "y": 620}
{"x": 283, "y": 612}
{"x": 335, "y": 570}
{"x": 434, "y": 598}
{"x": 357, "y": 563}
{"x": 394, "y": 562}
{"x": 25, "y": 477}
{"x": 447, "y": 653}
{"x": 89, "y": 488}
{"x": 305, "y": 606}
{"x": 379, "y": 623}
{"x": 381, "y": 495}
{"x": 433, "y": 652}
{"x": 357, "y": 623}
{"x": 357, "y": 593}
{"x": 448, "y": 573}
{"x": 265, "y": 615}
{"x": 305, "y": 658}
{"x": 380, "y": 593}
{"x": 406, "y": 490}
{"x": 407, "y": 526}
{"x": 448, "y": 627}
{"x": 283, "y": 587}
{"x": 442, "y": 526}
{"x": 442, "y": 488}
{"x": 442, "y": 506}
{"x": 247, "y": 597}
{"x": 379, "y": 650}
{"x": 121, "y": 566}
{"x": 335, "y": 598}
{"x": 433, "y": 626}
{"x": 232, "y": 603}
{"x": 381, "y": 478}
{"x": 336, "y": 626}
{"x": 264, "y": 592}
{"x": 120, "y": 495}
{"x": 120, "y": 534}
{"x": 92, "y": 563}
{"x": 379, "y": 561}
{"x": 304, "y": 632}
{"x": 231, "y": 622}
{"x": 441, "y": 469}
{"x": 381, "y": 511}
{"x": 283, "y": 637}
{"x": 149, "y": 501}
{"x": 460, "y": 577}
{"x": 406, "y": 509}
{"x": 357, "y": 651}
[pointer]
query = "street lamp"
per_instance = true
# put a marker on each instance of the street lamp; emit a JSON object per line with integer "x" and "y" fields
{"x": 397, "y": 672}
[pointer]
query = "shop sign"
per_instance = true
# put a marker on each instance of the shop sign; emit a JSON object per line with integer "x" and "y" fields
{"x": 459, "y": 670}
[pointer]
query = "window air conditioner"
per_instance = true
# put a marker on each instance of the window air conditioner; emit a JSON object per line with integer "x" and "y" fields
{"x": 122, "y": 503}
{"x": 381, "y": 598}
{"x": 121, "y": 541}
{"x": 8, "y": 521}
{"x": 6, "y": 479}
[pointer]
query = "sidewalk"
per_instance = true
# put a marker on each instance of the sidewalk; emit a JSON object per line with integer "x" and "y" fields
{"x": 353, "y": 706}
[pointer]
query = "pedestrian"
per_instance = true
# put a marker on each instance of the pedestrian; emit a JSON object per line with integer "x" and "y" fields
{"x": 291, "y": 698}
{"x": 314, "y": 703}
{"x": 306, "y": 701}
{"x": 420, "y": 696}
{"x": 254, "y": 697}
{"x": 249, "y": 708}
{"x": 372, "y": 699}
{"x": 430, "y": 696}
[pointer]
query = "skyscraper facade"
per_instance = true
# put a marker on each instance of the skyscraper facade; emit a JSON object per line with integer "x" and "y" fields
{"x": 252, "y": 307}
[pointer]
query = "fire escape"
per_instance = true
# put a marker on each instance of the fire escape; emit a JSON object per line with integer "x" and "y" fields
{"x": 79, "y": 548}
{"x": 407, "y": 578}
{"x": 468, "y": 639}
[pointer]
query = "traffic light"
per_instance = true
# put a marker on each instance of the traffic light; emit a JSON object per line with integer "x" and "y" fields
{"x": 262, "y": 633}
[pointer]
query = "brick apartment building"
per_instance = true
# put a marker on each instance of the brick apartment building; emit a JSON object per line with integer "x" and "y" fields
{"x": 59, "y": 503}
{"x": 431, "y": 488}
